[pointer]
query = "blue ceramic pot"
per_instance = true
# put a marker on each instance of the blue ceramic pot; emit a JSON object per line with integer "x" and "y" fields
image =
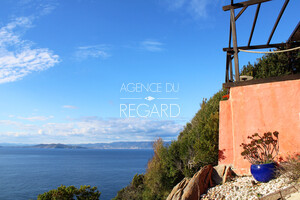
{"x": 263, "y": 172}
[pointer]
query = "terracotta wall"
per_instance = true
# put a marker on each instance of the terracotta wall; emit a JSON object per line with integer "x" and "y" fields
{"x": 259, "y": 108}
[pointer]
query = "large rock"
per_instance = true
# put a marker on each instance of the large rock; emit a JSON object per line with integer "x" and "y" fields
{"x": 208, "y": 176}
{"x": 199, "y": 184}
{"x": 177, "y": 191}
{"x": 192, "y": 189}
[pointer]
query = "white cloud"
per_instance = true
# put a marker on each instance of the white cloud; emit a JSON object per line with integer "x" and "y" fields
{"x": 36, "y": 118}
{"x": 47, "y": 8}
{"x": 25, "y": 129}
{"x": 18, "y": 58}
{"x": 92, "y": 51}
{"x": 40, "y": 7}
{"x": 94, "y": 129}
{"x": 152, "y": 45}
{"x": 70, "y": 107}
{"x": 197, "y": 8}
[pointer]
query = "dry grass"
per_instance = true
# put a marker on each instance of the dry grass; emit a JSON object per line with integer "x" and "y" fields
{"x": 291, "y": 168}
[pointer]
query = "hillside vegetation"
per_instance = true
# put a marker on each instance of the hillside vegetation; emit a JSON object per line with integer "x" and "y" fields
{"x": 197, "y": 144}
{"x": 271, "y": 65}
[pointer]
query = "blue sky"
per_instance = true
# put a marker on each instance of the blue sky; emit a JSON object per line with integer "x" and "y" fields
{"x": 63, "y": 64}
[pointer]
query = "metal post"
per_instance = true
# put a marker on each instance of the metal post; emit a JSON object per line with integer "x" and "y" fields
{"x": 234, "y": 40}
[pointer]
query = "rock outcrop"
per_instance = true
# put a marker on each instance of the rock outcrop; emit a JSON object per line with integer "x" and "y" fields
{"x": 177, "y": 191}
{"x": 193, "y": 188}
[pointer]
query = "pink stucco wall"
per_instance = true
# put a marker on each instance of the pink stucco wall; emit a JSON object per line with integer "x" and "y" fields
{"x": 259, "y": 108}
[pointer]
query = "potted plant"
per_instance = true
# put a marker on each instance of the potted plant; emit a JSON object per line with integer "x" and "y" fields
{"x": 261, "y": 152}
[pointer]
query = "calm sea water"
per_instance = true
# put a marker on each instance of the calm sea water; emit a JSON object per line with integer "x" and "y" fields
{"x": 25, "y": 173}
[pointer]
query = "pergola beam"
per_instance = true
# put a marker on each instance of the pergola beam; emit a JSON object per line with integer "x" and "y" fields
{"x": 243, "y": 4}
{"x": 260, "y": 46}
{"x": 296, "y": 33}
{"x": 278, "y": 19}
{"x": 240, "y": 13}
{"x": 254, "y": 23}
{"x": 232, "y": 51}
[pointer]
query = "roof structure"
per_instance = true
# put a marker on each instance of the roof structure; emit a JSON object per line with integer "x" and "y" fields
{"x": 232, "y": 51}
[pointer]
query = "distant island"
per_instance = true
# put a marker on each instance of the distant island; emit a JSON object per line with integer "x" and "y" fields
{"x": 112, "y": 145}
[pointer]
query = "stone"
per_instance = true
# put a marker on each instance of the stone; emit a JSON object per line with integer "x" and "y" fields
{"x": 198, "y": 184}
{"x": 228, "y": 175}
{"x": 218, "y": 173}
{"x": 192, "y": 189}
{"x": 177, "y": 191}
{"x": 294, "y": 196}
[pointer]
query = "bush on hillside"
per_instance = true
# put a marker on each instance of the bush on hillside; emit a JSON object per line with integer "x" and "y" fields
{"x": 71, "y": 193}
{"x": 271, "y": 65}
{"x": 134, "y": 190}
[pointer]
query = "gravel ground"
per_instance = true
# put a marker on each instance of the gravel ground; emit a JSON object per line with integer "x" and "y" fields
{"x": 246, "y": 188}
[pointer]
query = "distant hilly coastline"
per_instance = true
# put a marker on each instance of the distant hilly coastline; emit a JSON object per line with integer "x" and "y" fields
{"x": 55, "y": 146}
{"x": 119, "y": 145}
{"x": 113, "y": 145}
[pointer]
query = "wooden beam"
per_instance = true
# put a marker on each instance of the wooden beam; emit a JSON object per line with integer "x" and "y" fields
{"x": 229, "y": 42}
{"x": 234, "y": 40}
{"x": 240, "y": 13}
{"x": 261, "y": 46}
{"x": 230, "y": 69}
{"x": 243, "y": 4}
{"x": 278, "y": 19}
{"x": 227, "y": 69}
{"x": 262, "y": 80}
{"x": 295, "y": 33}
{"x": 254, "y": 23}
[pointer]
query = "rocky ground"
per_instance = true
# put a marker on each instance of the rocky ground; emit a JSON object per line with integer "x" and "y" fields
{"x": 246, "y": 188}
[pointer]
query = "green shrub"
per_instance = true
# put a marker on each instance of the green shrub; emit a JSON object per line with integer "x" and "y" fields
{"x": 71, "y": 193}
{"x": 271, "y": 65}
{"x": 134, "y": 190}
{"x": 199, "y": 141}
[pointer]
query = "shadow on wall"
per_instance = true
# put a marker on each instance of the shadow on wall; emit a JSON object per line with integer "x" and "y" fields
{"x": 222, "y": 155}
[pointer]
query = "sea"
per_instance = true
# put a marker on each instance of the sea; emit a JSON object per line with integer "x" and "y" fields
{"x": 27, "y": 172}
